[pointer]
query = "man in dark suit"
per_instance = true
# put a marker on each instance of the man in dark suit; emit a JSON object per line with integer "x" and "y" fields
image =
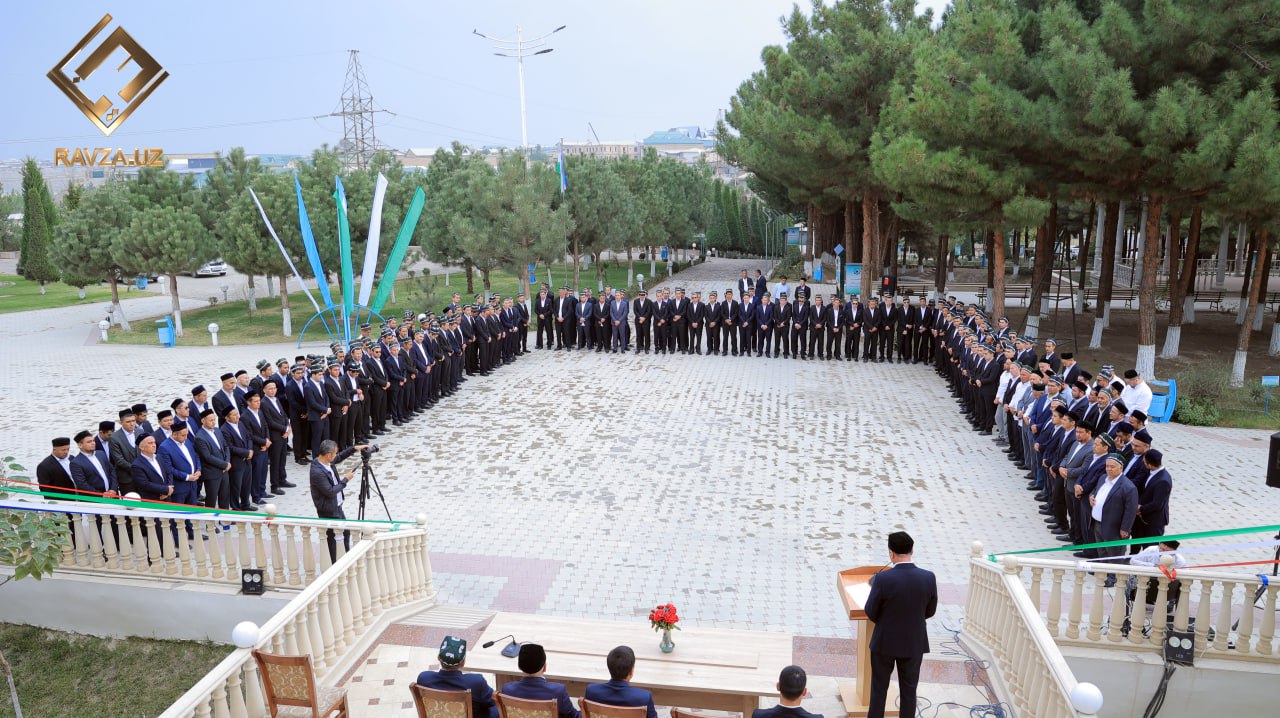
{"x": 140, "y": 417}
{"x": 791, "y": 689}
{"x": 54, "y": 472}
{"x": 225, "y": 396}
{"x": 522, "y": 325}
{"x": 318, "y": 409}
{"x": 326, "y": 488}
{"x": 618, "y": 311}
{"x": 888, "y": 325}
{"x": 1113, "y": 506}
{"x": 91, "y": 470}
{"x": 762, "y": 287}
{"x": 764, "y": 325}
{"x": 260, "y": 467}
{"x": 296, "y": 403}
{"x": 533, "y": 686}
{"x": 642, "y": 308}
{"x": 817, "y": 328}
{"x": 697, "y": 322}
{"x": 215, "y": 461}
{"x": 123, "y": 448}
{"x": 853, "y": 318}
{"x": 713, "y": 323}
{"x": 901, "y": 599}
{"x": 566, "y": 320}
{"x": 872, "y": 318}
{"x": 148, "y": 476}
{"x": 1153, "y": 501}
{"x": 834, "y": 326}
{"x": 797, "y": 331}
{"x": 745, "y": 285}
{"x": 378, "y": 387}
{"x": 621, "y": 663}
{"x": 181, "y": 465}
{"x": 679, "y": 324}
{"x": 273, "y": 413}
{"x": 730, "y": 318}
{"x": 602, "y": 326}
{"x": 240, "y": 446}
{"x": 453, "y": 658}
{"x": 545, "y": 307}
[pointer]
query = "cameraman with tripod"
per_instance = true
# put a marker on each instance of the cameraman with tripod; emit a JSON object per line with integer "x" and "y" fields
{"x": 326, "y": 488}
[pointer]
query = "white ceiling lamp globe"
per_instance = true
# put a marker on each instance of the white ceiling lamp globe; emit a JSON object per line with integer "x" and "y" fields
{"x": 245, "y": 634}
{"x": 1086, "y": 698}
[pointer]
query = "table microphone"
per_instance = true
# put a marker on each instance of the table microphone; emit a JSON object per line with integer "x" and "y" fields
{"x": 511, "y": 650}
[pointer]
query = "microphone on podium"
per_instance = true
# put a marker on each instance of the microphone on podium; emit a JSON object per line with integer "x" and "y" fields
{"x": 511, "y": 650}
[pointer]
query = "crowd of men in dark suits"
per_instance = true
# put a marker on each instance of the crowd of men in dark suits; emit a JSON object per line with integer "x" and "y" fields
{"x": 785, "y": 323}
{"x": 229, "y": 448}
{"x": 1082, "y": 439}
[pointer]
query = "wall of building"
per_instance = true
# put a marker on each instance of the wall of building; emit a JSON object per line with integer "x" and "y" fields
{"x": 1213, "y": 687}
{"x": 153, "y": 607}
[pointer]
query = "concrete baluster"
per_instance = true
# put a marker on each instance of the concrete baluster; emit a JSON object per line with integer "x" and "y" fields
{"x": 235, "y": 695}
{"x": 1202, "y": 613}
{"x": 1095, "y": 607}
{"x": 219, "y": 699}
{"x": 254, "y": 700}
{"x": 1224, "y": 617}
{"x": 1055, "y": 602}
{"x": 1244, "y": 632}
{"x": 296, "y": 575}
{"x": 278, "y": 533}
{"x": 1267, "y": 631}
{"x": 308, "y": 555}
{"x": 316, "y": 636}
{"x": 345, "y": 588}
{"x": 200, "y": 545}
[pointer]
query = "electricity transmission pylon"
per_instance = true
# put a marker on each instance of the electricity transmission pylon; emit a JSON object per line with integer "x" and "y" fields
{"x": 359, "y": 138}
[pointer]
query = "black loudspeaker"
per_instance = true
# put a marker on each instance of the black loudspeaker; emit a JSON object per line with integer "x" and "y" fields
{"x": 1273, "y": 462}
{"x": 251, "y": 582}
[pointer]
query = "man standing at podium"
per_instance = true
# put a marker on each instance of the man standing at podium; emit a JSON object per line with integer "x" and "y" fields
{"x": 901, "y": 598}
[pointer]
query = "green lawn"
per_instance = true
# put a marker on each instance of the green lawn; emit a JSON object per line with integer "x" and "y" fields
{"x": 19, "y": 295}
{"x": 237, "y": 326}
{"x": 67, "y": 674}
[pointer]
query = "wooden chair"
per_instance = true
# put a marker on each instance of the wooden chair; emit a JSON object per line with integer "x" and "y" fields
{"x": 686, "y": 713}
{"x": 511, "y": 707}
{"x": 291, "y": 689}
{"x": 432, "y": 703}
{"x": 591, "y": 709}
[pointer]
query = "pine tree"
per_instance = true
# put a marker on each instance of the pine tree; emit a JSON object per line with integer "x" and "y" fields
{"x": 38, "y": 219}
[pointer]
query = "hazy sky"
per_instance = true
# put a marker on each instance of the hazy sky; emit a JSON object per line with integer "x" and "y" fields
{"x": 255, "y": 73}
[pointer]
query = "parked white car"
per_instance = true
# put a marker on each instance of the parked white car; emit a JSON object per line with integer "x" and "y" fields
{"x": 215, "y": 268}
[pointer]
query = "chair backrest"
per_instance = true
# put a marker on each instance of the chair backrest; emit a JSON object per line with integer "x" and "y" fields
{"x": 432, "y": 703}
{"x": 289, "y": 681}
{"x": 686, "y": 713}
{"x": 512, "y": 707}
{"x": 591, "y": 709}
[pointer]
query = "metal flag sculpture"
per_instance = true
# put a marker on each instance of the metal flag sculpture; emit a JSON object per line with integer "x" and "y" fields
{"x": 341, "y": 321}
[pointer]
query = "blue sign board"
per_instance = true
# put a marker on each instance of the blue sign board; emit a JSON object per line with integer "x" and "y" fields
{"x": 793, "y": 236}
{"x": 853, "y": 279}
{"x": 839, "y": 249}
{"x": 664, "y": 254}
{"x": 817, "y": 272}
{"x": 533, "y": 274}
{"x": 1271, "y": 381}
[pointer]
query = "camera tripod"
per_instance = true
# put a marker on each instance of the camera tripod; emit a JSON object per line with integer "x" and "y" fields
{"x": 368, "y": 485}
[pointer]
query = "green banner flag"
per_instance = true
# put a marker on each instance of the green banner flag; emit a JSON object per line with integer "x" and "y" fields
{"x": 344, "y": 248}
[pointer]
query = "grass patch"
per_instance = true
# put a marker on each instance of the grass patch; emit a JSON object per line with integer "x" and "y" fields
{"x": 67, "y": 674}
{"x": 20, "y": 295}
{"x": 264, "y": 326}
{"x": 1245, "y": 419}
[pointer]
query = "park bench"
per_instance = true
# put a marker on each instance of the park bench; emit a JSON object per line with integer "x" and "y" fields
{"x": 1212, "y": 297}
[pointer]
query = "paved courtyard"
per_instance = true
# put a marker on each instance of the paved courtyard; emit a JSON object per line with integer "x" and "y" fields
{"x": 597, "y": 485}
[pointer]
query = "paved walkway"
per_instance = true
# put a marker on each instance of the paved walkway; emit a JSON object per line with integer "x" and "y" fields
{"x": 596, "y": 485}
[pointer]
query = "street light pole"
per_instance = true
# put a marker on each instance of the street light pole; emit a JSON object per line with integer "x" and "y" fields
{"x": 519, "y": 49}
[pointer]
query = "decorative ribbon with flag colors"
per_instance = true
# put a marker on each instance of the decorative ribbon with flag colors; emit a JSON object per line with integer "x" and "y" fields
{"x": 371, "y": 248}
{"x": 397, "y": 251}
{"x": 344, "y": 252}
{"x": 309, "y": 244}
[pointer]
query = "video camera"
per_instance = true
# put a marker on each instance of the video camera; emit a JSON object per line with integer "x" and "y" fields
{"x": 368, "y": 451}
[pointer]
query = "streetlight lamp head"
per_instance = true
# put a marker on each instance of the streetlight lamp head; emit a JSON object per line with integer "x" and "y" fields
{"x": 560, "y": 28}
{"x": 213, "y": 328}
{"x": 1086, "y": 698}
{"x": 543, "y": 52}
{"x": 245, "y": 634}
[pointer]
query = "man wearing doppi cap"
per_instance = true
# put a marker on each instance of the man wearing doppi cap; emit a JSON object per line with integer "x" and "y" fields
{"x": 533, "y": 663}
{"x": 453, "y": 657}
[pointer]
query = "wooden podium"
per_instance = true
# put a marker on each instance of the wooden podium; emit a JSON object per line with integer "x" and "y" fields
{"x": 854, "y": 585}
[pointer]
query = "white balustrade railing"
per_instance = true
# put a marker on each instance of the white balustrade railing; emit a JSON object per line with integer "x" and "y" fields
{"x": 1001, "y": 618}
{"x": 382, "y": 575}
{"x": 1238, "y": 609}
{"x": 205, "y": 548}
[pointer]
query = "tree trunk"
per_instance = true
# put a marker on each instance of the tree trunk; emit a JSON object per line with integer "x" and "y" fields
{"x": 1040, "y": 272}
{"x": 940, "y": 268}
{"x": 467, "y": 267}
{"x": 1266, "y": 281}
{"x": 1274, "y": 349}
{"x": 253, "y": 296}
{"x": 631, "y": 270}
{"x": 995, "y": 240}
{"x": 599, "y": 271}
{"x": 889, "y": 241}
{"x": 1088, "y": 239}
{"x": 1224, "y": 239}
{"x": 285, "y": 312}
{"x": 1146, "y": 362}
{"x": 1260, "y": 246}
{"x": 177, "y": 308}
{"x": 870, "y": 244}
{"x": 988, "y": 253}
{"x": 116, "y": 309}
{"x": 848, "y": 240}
{"x": 1250, "y": 266}
{"x": 1111, "y": 227}
{"x": 484, "y": 277}
{"x": 1181, "y": 282}
{"x": 853, "y": 229}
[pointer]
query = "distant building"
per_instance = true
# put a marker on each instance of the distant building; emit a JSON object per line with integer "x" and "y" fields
{"x": 605, "y": 150}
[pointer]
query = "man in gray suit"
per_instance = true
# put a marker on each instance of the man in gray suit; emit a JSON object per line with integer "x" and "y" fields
{"x": 123, "y": 448}
{"x": 1064, "y": 475}
{"x": 215, "y": 462}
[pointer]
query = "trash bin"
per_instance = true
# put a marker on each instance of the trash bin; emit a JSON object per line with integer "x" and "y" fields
{"x": 888, "y": 285}
{"x": 165, "y": 333}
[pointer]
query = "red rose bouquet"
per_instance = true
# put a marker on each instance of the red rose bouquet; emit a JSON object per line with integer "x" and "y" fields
{"x": 664, "y": 618}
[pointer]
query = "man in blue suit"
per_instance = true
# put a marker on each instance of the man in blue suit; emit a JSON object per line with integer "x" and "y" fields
{"x": 618, "y": 312}
{"x": 621, "y": 662}
{"x": 791, "y": 688}
{"x": 453, "y": 657}
{"x": 181, "y": 465}
{"x": 901, "y": 599}
{"x": 533, "y": 663}
{"x": 1153, "y": 498}
{"x": 149, "y": 478}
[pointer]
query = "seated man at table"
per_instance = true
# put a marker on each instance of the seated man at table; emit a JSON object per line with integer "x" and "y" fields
{"x": 533, "y": 664}
{"x": 791, "y": 687}
{"x": 453, "y": 656}
{"x": 619, "y": 691}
